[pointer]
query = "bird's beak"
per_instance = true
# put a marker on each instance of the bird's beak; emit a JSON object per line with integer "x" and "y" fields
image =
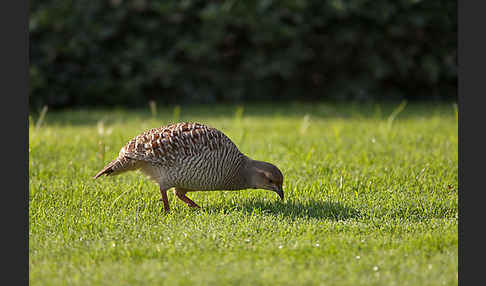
{"x": 279, "y": 192}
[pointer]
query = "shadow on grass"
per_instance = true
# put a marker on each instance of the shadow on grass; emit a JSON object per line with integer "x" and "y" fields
{"x": 309, "y": 209}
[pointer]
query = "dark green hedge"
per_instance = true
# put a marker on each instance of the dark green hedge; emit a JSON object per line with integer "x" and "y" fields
{"x": 128, "y": 52}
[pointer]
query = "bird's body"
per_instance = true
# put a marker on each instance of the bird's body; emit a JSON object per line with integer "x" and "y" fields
{"x": 188, "y": 157}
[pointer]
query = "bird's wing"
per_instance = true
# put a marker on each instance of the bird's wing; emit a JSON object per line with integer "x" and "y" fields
{"x": 163, "y": 145}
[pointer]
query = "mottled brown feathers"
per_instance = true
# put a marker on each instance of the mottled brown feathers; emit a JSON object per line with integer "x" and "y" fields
{"x": 166, "y": 145}
{"x": 163, "y": 145}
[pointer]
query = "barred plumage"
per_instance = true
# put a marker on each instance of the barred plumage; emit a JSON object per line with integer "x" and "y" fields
{"x": 193, "y": 157}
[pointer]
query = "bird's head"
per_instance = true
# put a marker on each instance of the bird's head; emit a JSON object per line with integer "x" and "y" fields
{"x": 263, "y": 175}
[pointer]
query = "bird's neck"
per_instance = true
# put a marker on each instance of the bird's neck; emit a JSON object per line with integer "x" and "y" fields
{"x": 242, "y": 178}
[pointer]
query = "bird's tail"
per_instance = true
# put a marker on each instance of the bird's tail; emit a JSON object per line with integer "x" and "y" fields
{"x": 108, "y": 169}
{"x": 118, "y": 166}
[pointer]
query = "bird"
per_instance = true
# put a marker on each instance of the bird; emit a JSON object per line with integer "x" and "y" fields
{"x": 189, "y": 157}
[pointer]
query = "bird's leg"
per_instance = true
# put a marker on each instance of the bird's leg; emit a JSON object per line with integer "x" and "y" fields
{"x": 181, "y": 194}
{"x": 163, "y": 192}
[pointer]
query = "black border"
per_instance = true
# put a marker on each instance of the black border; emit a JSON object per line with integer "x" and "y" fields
{"x": 14, "y": 77}
{"x": 471, "y": 95}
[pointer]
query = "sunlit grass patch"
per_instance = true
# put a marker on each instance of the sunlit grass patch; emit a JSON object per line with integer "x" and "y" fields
{"x": 370, "y": 200}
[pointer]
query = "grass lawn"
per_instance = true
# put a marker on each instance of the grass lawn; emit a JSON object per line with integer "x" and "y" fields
{"x": 370, "y": 199}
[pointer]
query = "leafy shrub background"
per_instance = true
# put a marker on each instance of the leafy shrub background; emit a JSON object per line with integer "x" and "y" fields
{"x": 128, "y": 52}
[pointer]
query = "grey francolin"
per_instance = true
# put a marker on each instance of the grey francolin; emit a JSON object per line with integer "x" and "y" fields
{"x": 193, "y": 157}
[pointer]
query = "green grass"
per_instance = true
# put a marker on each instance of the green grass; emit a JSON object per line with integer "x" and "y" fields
{"x": 371, "y": 199}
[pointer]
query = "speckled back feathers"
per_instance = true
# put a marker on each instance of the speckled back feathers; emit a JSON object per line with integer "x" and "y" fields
{"x": 163, "y": 145}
